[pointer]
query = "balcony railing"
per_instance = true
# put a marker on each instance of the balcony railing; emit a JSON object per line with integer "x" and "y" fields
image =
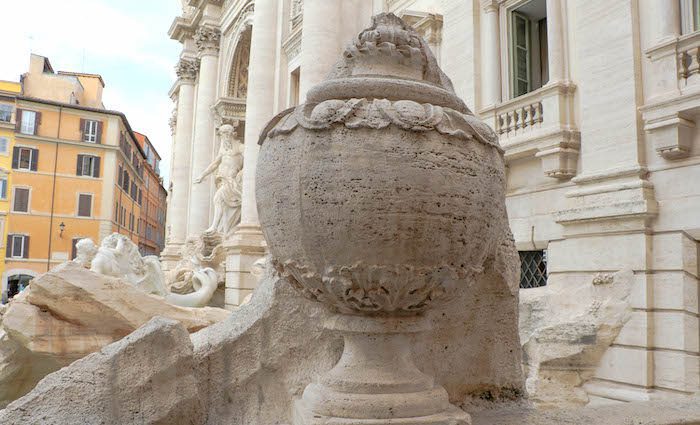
{"x": 539, "y": 124}
{"x": 522, "y": 118}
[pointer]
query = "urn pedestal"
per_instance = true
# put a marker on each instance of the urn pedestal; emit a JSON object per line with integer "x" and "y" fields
{"x": 376, "y": 381}
{"x": 377, "y": 198}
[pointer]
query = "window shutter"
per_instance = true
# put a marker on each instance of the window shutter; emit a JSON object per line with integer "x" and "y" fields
{"x": 79, "y": 166}
{"x": 20, "y": 203}
{"x": 74, "y": 249}
{"x": 37, "y": 122}
{"x": 18, "y": 120}
{"x": 96, "y": 170}
{"x": 25, "y": 254}
{"x": 98, "y": 138}
{"x": 8, "y": 247}
{"x": 84, "y": 205}
{"x": 15, "y": 157}
{"x": 35, "y": 159}
{"x": 82, "y": 129}
{"x": 520, "y": 51}
{"x": 120, "y": 177}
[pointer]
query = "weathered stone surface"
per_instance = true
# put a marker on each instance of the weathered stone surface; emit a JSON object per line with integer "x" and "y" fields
{"x": 565, "y": 328}
{"x": 70, "y": 312}
{"x": 675, "y": 412}
{"x": 145, "y": 378}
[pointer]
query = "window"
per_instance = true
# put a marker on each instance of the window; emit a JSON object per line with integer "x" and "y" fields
{"x": 84, "y": 205}
{"x": 690, "y": 16}
{"x": 528, "y": 47}
{"x": 17, "y": 246}
{"x": 25, "y": 158}
{"x": 20, "y": 200}
{"x": 4, "y": 145}
{"x": 29, "y": 122}
{"x": 134, "y": 191}
{"x": 92, "y": 130}
{"x": 125, "y": 182}
{"x": 533, "y": 269}
{"x": 3, "y": 187}
{"x": 5, "y": 113}
{"x": 88, "y": 165}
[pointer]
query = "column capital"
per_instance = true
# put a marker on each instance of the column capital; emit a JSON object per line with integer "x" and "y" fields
{"x": 490, "y": 5}
{"x": 207, "y": 39}
{"x": 187, "y": 69}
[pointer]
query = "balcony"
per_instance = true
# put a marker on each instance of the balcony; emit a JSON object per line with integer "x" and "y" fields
{"x": 539, "y": 124}
{"x": 673, "y": 99}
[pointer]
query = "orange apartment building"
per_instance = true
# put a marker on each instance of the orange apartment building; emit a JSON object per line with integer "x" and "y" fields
{"x": 153, "y": 208}
{"x": 79, "y": 171}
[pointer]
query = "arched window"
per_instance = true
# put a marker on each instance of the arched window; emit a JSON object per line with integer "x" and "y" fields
{"x": 238, "y": 78}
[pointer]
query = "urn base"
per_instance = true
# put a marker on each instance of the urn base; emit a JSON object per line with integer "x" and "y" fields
{"x": 451, "y": 416}
{"x": 375, "y": 381}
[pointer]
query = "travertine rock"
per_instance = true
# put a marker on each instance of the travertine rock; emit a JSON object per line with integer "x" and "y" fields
{"x": 676, "y": 412}
{"x": 565, "y": 327}
{"x": 70, "y": 312}
{"x": 145, "y": 378}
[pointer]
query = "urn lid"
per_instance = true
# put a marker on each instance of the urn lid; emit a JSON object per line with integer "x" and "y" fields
{"x": 388, "y": 60}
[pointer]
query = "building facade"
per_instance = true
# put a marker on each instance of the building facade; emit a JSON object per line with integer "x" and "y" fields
{"x": 8, "y": 93}
{"x": 595, "y": 103}
{"x": 78, "y": 171}
{"x": 151, "y": 224}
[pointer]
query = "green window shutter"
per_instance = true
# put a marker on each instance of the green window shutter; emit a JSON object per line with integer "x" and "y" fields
{"x": 520, "y": 54}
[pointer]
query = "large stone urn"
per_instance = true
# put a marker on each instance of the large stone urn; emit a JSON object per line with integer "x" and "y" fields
{"x": 377, "y": 198}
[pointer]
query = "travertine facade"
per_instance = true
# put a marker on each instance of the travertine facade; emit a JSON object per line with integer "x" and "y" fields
{"x": 594, "y": 102}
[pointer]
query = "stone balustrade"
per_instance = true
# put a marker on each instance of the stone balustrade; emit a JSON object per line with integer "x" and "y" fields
{"x": 688, "y": 56}
{"x": 522, "y": 118}
{"x": 539, "y": 124}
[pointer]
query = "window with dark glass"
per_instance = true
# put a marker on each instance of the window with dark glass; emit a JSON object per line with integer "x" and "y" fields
{"x": 528, "y": 47}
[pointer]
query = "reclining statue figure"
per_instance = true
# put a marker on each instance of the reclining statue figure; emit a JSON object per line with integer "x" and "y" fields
{"x": 119, "y": 257}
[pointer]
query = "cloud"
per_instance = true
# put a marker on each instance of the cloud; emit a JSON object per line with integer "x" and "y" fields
{"x": 125, "y": 41}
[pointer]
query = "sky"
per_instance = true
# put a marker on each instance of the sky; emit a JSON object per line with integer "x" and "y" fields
{"x": 125, "y": 41}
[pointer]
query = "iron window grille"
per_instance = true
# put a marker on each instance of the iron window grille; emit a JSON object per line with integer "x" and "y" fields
{"x": 533, "y": 269}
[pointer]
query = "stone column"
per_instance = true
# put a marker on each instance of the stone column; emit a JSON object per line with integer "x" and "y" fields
{"x": 328, "y": 27}
{"x": 180, "y": 168}
{"x": 207, "y": 40}
{"x": 665, "y": 17}
{"x": 556, "y": 52}
{"x": 248, "y": 245}
{"x": 491, "y": 54}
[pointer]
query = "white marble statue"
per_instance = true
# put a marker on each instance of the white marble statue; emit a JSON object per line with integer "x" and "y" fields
{"x": 228, "y": 166}
{"x": 119, "y": 257}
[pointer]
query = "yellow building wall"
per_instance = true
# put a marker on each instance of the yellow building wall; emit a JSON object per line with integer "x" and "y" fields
{"x": 7, "y": 88}
{"x": 59, "y": 143}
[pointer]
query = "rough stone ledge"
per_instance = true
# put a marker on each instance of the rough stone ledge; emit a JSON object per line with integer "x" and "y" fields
{"x": 677, "y": 412}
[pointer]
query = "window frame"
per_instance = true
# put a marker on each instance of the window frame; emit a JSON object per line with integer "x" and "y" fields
{"x": 33, "y": 152}
{"x": 9, "y": 109}
{"x": 537, "y": 69}
{"x": 25, "y": 122}
{"x": 90, "y": 131}
{"x": 6, "y": 152}
{"x": 4, "y": 186}
{"x": 23, "y": 244}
